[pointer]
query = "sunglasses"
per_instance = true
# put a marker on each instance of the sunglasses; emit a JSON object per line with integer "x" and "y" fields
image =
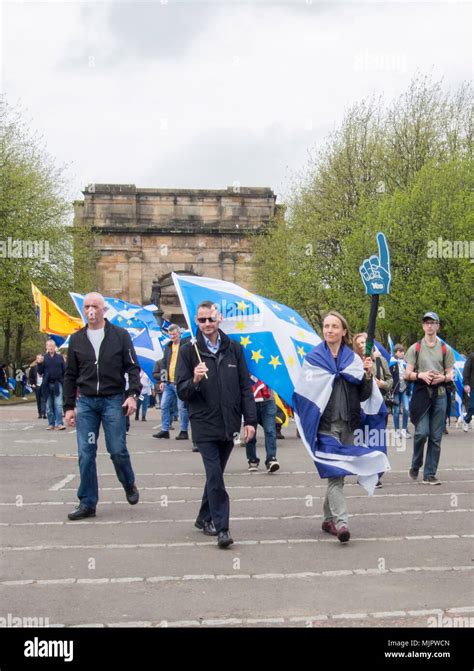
{"x": 203, "y": 320}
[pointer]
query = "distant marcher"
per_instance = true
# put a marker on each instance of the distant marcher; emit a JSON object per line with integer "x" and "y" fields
{"x": 401, "y": 391}
{"x": 266, "y": 417}
{"x": 430, "y": 366}
{"x": 168, "y": 387}
{"x": 144, "y": 398}
{"x": 468, "y": 382}
{"x": 52, "y": 369}
{"x": 36, "y": 380}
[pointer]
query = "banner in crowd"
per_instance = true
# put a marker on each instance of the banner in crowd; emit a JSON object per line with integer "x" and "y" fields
{"x": 52, "y": 319}
{"x": 274, "y": 338}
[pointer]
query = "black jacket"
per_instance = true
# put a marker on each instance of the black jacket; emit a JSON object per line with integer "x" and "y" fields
{"x": 105, "y": 376}
{"x": 216, "y": 405}
{"x": 164, "y": 363}
{"x": 53, "y": 368}
{"x": 468, "y": 373}
{"x": 355, "y": 395}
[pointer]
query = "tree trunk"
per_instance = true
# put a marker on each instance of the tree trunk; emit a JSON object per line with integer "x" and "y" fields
{"x": 6, "y": 343}
{"x": 19, "y": 338}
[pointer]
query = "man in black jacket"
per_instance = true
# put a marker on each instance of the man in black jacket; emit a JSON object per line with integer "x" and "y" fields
{"x": 52, "y": 369}
{"x": 35, "y": 381}
{"x": 468, "y": 382}
{"x": 99, "y": 355}
{"x": 216, "y": 387}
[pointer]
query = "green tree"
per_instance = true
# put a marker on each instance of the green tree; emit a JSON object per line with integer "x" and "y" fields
{"x": 35, "y": 215}
{"x": 403, "y": 169}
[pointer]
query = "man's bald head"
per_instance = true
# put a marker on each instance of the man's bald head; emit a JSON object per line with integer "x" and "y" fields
{"x": 94, "y": 310}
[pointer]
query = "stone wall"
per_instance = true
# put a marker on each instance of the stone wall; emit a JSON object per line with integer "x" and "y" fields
{"x": 142, "y": 235}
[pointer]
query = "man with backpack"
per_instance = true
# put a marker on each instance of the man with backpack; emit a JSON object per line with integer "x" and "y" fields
{"x": 430, "y": 366}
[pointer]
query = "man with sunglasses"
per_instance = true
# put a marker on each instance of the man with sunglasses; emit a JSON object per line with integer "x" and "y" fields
{"x": 213, "y": 379}
{"x": 430, "y": 366}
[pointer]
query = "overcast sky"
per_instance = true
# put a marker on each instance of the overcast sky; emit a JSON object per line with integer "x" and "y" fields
{"x": 204, "y": 95}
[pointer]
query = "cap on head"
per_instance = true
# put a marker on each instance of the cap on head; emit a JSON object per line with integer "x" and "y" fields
{"x": 430, "y": 315}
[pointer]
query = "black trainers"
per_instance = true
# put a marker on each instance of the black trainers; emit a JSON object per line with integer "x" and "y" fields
{"x": 431, "y": 480}
{"x": 413, "y": 473}
{"x": 132, "y": 495}
{"x": 253, "y": 466}
{"x": 162, "y": 434}
{"x": 224, "y": 539}
{"x": 379, "y": 484}
{"x": 182, "y": 435}
{"x": 272, "y": 465}
{"x": 81, "y": 512}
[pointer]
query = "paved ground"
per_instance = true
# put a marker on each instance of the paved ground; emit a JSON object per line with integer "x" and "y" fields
{"x": 410, "y": 562}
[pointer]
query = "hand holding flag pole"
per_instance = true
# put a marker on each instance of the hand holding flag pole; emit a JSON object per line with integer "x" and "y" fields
{"x": 376, "y": 276}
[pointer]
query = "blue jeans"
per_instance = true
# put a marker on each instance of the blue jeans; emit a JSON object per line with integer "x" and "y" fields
{"x": 266, "y": 417}
{"x": 403, "y": 401}
{"x": 169, "y": 396}
{"x": 91, "y": 411}
{"x": 430, "y": 427}
{"x": 470, "y": 408}
{"x": 54, "y": 404}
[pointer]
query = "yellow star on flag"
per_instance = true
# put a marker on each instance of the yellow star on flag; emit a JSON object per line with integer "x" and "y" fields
{"x": 256, "y": 356}
{"x": 244, "y": 341}
{"x": 119, "y": 319}
{"x": 290, "y": 361}
{"x": 240, "y": 326}
{"x": 275, "y": 362}
{"x": 129, "y": 322}
{"x": 301, "y": 351}
{"x": 242, "y": 305}
{"x": 302, "y": 335}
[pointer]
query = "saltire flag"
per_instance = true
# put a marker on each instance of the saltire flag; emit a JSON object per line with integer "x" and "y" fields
{"x": 52, "y": 319}
{"x": 149, "y": 351}
{"x": 4, "y": 393}
{"x": 274, "y": 337}
{"x": 312, "y": 393}
{"x": 390, "y": 344}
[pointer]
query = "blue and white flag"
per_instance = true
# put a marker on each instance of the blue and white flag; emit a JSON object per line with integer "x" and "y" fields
{"x": 274, "y": 337}
{"x": 149, "y": 351}
{"x": 4, "y": 393}
{"x": 312, "y": 394}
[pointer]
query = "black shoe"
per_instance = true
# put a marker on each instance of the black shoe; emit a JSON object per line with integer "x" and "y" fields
{"x": 413, "y": 473}
{"x": 431, "y": 480}
{"x": 272, "y": 465}
{"x": 195, "y": 448}
{"x": 224, "y": 539}
{"x": 280, "y": 436}
{"x": 162, "y": 434}
{"x": 379, "y": 484}
{"x": 81, "y": 512}
{"x": 207, "y": 528}
{"x": 132, "y": 495}
{"x": 182, "y": 435}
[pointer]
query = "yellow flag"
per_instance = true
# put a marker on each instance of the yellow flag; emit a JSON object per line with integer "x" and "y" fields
{"x": 52, "y": 319}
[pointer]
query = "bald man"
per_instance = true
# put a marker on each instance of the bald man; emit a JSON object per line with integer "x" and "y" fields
{"x": 52, "y": 368}
{"x": 99, "y": 355}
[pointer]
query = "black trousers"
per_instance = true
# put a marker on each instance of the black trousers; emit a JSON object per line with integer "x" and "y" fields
{"x": 40, "y": 401}
{"x": 215, "y": 501}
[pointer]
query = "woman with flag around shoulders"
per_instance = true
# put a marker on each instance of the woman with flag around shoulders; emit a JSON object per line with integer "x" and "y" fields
{"x": 327, "y": 400}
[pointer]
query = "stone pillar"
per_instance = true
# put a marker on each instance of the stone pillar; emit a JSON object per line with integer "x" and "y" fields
{"x": 135, "y": 280}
